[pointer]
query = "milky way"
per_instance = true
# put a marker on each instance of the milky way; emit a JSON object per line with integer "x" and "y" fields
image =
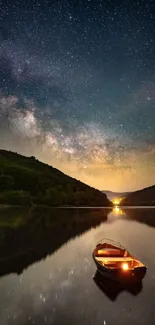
{"x": 77, "y": 88}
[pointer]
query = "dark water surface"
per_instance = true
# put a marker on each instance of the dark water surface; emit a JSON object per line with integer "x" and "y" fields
{"x": 47, "y": 270}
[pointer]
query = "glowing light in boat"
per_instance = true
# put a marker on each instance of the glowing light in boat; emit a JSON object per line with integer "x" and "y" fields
{"x": 125, "y": 266}
{"x": 100, "y": 252}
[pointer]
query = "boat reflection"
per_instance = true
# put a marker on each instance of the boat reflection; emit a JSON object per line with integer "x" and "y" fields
{"x": 113, "y": 288}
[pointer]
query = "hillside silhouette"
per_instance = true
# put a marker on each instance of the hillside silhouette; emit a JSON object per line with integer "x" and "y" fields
{"x": 144, "y": 197}
{"x": 27, "y": 181}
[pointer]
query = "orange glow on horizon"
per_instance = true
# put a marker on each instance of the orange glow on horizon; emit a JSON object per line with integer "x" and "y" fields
{"x": 117, "y": 201}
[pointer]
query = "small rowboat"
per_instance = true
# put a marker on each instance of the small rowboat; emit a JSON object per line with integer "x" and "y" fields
{"x": 115, "y": 262}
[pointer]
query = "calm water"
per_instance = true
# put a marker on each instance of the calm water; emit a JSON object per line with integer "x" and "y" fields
{"x": 47, "y": 269}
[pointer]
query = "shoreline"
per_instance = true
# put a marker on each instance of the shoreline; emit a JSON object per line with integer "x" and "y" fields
{"x": 2, "y": 206}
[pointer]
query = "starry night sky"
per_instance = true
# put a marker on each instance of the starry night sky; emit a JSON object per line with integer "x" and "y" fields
{"x": 77, "y": 88}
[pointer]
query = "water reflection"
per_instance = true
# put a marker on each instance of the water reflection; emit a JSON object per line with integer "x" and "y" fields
{"x": 117, "y": 210}
{"x": 27, "y": 236}
{"x": 143, "y": 215}
{"x": 58, "y": 288}
{"x": 112, "y": 288}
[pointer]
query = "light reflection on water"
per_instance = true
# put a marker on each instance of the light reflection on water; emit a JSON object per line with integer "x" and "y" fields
{"x": 60, "y": 288}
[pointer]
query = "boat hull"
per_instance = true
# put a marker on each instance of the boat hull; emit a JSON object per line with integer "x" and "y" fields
{"x": 130, "y": 276}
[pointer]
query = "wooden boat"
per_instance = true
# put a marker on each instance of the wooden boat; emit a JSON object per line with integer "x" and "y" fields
{"x": 115, "y": 262}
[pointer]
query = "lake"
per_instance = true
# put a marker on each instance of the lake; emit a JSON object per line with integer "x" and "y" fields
{"x": 47, "y": 271}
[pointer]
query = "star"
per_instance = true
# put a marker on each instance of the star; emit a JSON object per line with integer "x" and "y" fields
{"x": 76, "y": 88}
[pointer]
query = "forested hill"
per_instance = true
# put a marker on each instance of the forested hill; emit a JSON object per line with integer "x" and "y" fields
{"x": 144, "y": 197}
{"x": 25, "y": 180}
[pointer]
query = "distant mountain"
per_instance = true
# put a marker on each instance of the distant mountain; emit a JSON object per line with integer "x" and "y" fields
{"x": 114, "y": 195}
{"x": 27, "y": 181}
{"x": 144, "y": 197}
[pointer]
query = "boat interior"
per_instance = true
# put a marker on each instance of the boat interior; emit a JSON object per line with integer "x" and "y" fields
{"x": 114, "y": 257}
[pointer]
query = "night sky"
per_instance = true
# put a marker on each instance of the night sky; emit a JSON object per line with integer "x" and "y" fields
{"x": 77, "y": 88}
